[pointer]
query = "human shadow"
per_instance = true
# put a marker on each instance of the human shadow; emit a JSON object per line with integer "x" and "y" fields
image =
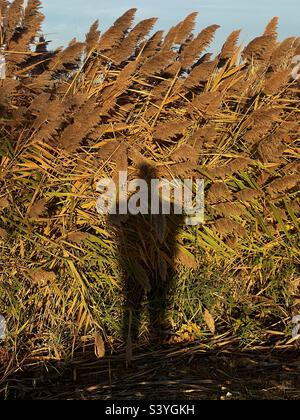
{"x": 147, "y": 248}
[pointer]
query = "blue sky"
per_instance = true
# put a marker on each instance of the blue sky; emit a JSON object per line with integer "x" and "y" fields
{"x": 66, "y": 19}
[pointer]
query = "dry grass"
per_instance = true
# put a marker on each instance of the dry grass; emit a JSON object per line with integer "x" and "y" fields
{"x": 96, "y": 107}
{"x": 191, "y": 373}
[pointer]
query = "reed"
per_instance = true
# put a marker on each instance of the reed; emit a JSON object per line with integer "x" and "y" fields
{"x": 69, "y": 116}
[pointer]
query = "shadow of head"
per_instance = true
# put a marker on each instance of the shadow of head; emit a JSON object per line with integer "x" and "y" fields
{"x": 147, "y": 172}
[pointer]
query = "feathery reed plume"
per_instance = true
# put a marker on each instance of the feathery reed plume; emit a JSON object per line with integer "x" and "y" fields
{"x": 276, "y": 81}
{"x": 153, "y": 45}
{"x": 158, "y": 63}
{"x": 181, "y": 32}
{"x": 272, "y": 27}
{"x": 116, "y": 33}
{"x": 283, "y": 54}
{"x": 248, "y": 195}
{"x": 118, "y": 102}
{"x": 199, "y": 74}
{"x": 226, "y": 227}
{"x": 92, "y": 37}
{"x": 261, "y": 48}
{"x": 133, "y": 40}
{"x": 192, "y": 51}
{"x": 219, "y": 193}
{"x": 169, "y": 130}
{"x": 283, "y": 184}
{"x": 13, "y": 19}
{"x": 230, "y": 47}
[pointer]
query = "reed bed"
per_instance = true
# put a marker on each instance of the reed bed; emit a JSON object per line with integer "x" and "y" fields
{"x": 112, "y": 102}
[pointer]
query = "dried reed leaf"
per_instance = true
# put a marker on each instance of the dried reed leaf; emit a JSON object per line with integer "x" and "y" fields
{"x": 77, "y": 237}
{"x": 3, "y": 234}
{"x": 209, "y": 320}
{"x": 4, "y": 203}
{"x": 99, "y": 345}
{"x": 41, "y": 276}
{"x": 186, "y": 259}
{"x": 37, "y": 209}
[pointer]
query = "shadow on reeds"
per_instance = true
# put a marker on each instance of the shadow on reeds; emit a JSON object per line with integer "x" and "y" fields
{"x": 147, "y": 248}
